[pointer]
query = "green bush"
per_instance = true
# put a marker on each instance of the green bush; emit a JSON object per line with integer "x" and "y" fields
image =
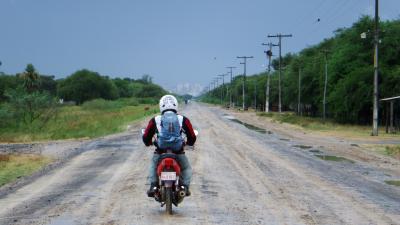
{"x": 129, "y": 101}
{"x": 148, "y": 101}
{"x": 101, "y": 104}
{"x": 33, "y": 109}
{"x": 85, "y": 85}
{"x": 6, "y": 116}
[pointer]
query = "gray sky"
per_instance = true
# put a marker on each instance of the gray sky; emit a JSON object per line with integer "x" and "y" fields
{"x": 175, "y": 41}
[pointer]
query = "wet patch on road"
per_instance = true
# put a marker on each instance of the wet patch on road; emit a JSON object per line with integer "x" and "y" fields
{"x": 248, "y": 126}
{"x": 315, "y": 151}
{"x": 393, "y": 182}
{"x": 206, "y": 186}
{"x": 333, "y": 158}
{"x": 302, "y": 146}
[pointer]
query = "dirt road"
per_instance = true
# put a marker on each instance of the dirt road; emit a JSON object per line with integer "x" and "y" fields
{"x": 241, "y": 176}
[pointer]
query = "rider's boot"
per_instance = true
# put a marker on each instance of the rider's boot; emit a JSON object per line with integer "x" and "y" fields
{"x": 152, "y": 190}
{"x": 188, "y": 193}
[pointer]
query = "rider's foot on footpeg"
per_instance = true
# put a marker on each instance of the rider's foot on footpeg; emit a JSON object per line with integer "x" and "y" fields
{"x": 188, "y": 193}
{"x": 152, "y": 190}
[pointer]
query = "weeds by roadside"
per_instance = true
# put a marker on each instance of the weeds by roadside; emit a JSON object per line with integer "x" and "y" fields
{"x": 93, "y": 119}
{"x": 13, "y": 167}
{"x": 393, "y": 150}
{"x": 326, "y": 126}
{"x": 393, "y": 182}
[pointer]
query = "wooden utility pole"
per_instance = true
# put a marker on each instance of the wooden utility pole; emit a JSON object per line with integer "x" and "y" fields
{"x": 280, "y": 36}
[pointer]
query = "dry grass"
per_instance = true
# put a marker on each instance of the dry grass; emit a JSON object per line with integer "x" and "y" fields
{"x": 13, "y": 166}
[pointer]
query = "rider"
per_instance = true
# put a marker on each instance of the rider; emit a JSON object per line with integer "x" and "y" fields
{"x": 168, "y": 103}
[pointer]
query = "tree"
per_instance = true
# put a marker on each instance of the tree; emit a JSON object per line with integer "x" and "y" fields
{"x": 85, "y": 85}
{"x": 31, "y": 78}
{"x": 28, "y": 107}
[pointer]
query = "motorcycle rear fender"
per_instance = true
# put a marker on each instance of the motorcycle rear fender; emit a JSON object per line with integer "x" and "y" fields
{"x": 169, "y": 164}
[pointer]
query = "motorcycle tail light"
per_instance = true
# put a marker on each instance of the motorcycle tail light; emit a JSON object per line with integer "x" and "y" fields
{"x": 169, "y": 163}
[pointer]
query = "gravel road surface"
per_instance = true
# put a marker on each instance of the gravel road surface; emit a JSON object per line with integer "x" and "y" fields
{"x": 242, "y": 175}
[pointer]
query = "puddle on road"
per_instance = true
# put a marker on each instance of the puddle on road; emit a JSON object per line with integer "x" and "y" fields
{"x": 302, "y": 146}
{"x": 315, "y": 151}
{"x": 393, "y": 182}
{"x": 62, "y": 220}
{"x": 333, "y": 158}
{"x": 249, "y": 126}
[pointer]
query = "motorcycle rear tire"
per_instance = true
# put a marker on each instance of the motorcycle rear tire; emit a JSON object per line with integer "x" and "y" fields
{"x": 168, "y": 200}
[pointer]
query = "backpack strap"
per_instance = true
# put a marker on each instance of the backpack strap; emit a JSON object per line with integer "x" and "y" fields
{"x": 180, "y": 118}
{"x": 158, "y": 123}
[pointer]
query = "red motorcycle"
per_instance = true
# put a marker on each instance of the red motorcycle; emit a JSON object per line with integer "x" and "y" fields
{"x": 170, "y": 191}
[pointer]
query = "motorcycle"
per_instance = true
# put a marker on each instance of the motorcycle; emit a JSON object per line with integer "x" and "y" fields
{"x": 170, "y": 191}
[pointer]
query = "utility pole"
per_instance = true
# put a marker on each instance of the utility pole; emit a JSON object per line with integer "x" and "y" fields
{"x": 299, "y": 112}
{"x": 326, "y": 82}
{"x": 215, "y": 86}
{"x": 269, "y": 56}
{"x": 223, "y": 86}
{"x": 255, "y": 95}
{"x": 230, "y": 88}
{"x": 280, "y": 36}
{"x": 244, "y": 75}
{"x": 376, "y": 71}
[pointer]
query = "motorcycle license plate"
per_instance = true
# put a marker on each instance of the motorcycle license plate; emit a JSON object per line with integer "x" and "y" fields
{"x": 168, "y": 176}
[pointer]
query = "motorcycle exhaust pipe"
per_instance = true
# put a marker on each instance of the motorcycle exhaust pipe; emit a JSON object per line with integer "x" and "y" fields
{"x": 182, "y": 193}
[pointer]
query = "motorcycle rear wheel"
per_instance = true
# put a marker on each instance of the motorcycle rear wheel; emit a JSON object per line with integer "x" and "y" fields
{"x": 168, "y": 200}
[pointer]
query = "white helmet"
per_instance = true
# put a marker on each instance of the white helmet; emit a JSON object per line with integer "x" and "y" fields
{"x": 168, "y": 102}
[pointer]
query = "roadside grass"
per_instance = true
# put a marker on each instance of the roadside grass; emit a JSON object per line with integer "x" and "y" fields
{"x": 327, "y": 126}
{"x": 13, "y": 167}
{"x": 92, "y": 119}
{"x": 389, "y": 150}
{"x": 393, "y": 182}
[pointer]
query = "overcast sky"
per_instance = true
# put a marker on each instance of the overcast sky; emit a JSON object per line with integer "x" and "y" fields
{"x": 175, "y": 41}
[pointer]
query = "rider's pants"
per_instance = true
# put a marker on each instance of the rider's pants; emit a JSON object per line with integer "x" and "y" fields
{"x": 186, "y": 169}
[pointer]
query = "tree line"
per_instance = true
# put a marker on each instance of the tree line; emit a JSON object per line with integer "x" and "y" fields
{"x": 29, "y": 96}
{"x": 350, "y": 75}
